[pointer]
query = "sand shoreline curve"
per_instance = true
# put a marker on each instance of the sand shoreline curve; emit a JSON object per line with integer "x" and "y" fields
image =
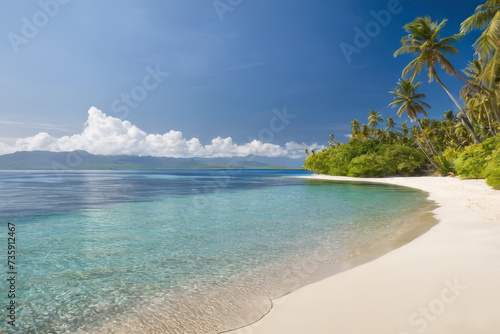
{"x": 445, "y": 281}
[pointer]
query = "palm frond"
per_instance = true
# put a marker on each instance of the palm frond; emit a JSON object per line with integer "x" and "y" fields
{"x": 416, "y": 64}
{"x": 445, "y": 64}
{"x": 435, "y": 33}
{"x": 477, "y": 21}
{"x": 449, "y": 40}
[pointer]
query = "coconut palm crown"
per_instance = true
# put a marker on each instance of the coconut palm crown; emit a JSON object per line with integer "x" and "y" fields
{"x": 407, "y": 99}
{"x": 423, "y": 40}
{"x": 486, "y": 18}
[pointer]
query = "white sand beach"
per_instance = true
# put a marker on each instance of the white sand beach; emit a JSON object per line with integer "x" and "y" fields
{"x": 446, "y": 281}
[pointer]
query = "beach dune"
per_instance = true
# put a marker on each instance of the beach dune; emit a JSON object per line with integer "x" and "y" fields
{"x": 445, "y": 281}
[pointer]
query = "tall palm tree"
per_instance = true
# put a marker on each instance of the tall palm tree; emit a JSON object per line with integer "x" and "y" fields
{"x": 390, "y": 124}
{"x": 407, "y": 99}
{"x": 404, "y": 130}
{"x": 479, "y": 104}
{"x": 474, "y": 71}
{"x": 374, "y": 119}
{"x": 423, "y": 40}
{"x": 365, "y": 132}
{"x": 486, "y": 18}
{"x": 355, "y": 128}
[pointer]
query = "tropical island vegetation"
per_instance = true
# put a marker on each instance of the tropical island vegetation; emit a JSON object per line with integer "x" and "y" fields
{"x": 466, "y": 143}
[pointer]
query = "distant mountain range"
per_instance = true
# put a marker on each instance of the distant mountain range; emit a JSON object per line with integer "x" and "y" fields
{"x": 85, "y": 160}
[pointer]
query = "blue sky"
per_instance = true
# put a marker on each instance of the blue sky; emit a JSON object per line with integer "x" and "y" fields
{"x": 225, "y": 77}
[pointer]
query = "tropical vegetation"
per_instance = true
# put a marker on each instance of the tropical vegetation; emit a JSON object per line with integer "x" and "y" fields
{"x": 465, "y": 142}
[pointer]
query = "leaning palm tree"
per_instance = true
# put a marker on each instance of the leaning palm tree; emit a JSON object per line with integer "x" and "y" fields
{"x": 479, "y": 104}
{"x": 407, "y": 99}
{"x": 423, "y": 40}
{"x": 486, "y": 18}
{"x": 475, "y": 71}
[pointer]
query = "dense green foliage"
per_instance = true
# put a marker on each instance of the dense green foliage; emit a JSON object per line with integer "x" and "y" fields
{"x": 466, "y": 142}
{"x": 367, "y": 158}
{"x": 481, "y": 161}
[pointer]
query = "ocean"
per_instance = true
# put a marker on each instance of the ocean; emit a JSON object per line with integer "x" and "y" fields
{"x": 181, "y": 251}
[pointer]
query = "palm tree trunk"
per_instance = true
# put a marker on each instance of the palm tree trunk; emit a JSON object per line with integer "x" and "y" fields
{"x": 469, "y": 125}
{"x": 496, "y": 112}
{"x": 475, "y": 85}
{"x": 433, "y": 151}
{"x": 490, "y": 123}
{"x": 419, "y": 144}
{"x": 469, "y": 128}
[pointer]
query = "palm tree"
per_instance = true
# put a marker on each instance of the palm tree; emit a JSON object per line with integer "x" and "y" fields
{"x": 333, "y": 143}
{"x": 423, "y": 40}
{"x": 393, "y": 138}
{"x": 379, "y": 134}
{"x": 355, "y": 128}
{"x": 390, "y": 124}
{"x": 486, "y": 18}
{"x": 407, "y": 99}
{"x": 474, "y": 71}
{"x": 365, "y": 132}
{"x": 374, "y": 119}
{"x": 479, "y": 104}
{"x": 414, "y": 132}
{"x": 404, "y": 130}
{"x": 449, "y": 116}
{"x": 462, "y": 135}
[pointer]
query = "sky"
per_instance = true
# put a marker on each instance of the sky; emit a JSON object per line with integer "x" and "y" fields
{"x": 206, "y": 77}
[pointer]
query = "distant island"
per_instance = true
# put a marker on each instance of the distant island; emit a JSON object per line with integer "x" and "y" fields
{"x": 84, "y": 160}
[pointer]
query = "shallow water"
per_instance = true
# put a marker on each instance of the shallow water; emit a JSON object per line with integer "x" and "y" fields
{"x": 181, "y": 251}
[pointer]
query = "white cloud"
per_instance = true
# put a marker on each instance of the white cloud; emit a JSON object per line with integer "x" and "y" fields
{"x": 6, "y": 149}
{"x": 106, "y": 135}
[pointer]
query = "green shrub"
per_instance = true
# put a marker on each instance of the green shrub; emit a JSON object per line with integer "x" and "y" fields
{"x": 446, "y": 166}
{"x": 403, "y": 160}
{"x": 492, "y": 170}
{"x": 480, "y": 160}
{"x": 493, "y": 180}
{"x": 470, "y": 164}
{"x": 450, "y": 154}
{"x": 368, "y": 165}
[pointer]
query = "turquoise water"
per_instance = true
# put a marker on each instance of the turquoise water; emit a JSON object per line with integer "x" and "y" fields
{"x": 180, "y": 251}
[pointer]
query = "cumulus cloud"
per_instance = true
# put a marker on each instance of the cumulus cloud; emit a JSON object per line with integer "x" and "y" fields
{"x": 106, "y": 135}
